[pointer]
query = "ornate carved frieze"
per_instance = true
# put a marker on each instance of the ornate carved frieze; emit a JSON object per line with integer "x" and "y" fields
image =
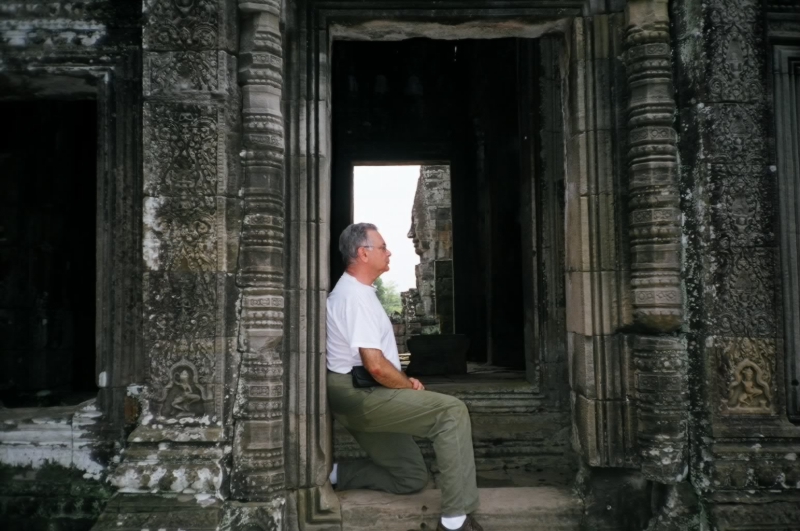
{"x": 181, "y": 233}
{"x": 742, "y": 205}
{"x": 735, "y": 133}
{"x": 743, "y": 300}
{"x": 661, "y": 383}
{"x": 734, "y": 60}
{"x": 652, "y": 162}
{"x": 181, "y": 24}
{"x": 180, "y": 316}
{"x": 182, "y": 143}
{"x": 189, "y": 71}
{"x": 258, "y": 467}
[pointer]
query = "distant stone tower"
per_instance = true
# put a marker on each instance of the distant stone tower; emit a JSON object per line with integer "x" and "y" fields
{"x": 428, "y": 309}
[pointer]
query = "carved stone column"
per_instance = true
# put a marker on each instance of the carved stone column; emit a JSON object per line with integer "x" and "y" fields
{"x": 660, "y": 381}
{"x": 652, "y": 162}
{"x": 662, "y": 385}
{"x": 258, "y": 468}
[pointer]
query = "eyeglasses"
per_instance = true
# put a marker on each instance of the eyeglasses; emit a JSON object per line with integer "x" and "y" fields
{"x": 381, "y": 248}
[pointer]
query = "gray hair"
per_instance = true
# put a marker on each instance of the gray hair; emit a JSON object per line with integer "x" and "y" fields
{"x": 353, "y": 237}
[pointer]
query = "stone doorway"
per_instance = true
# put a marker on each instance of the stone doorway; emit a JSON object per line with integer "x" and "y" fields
{"x": 454, "y": 102}
{"x": 475, "y": 106}
{"x": 48, "y": 183}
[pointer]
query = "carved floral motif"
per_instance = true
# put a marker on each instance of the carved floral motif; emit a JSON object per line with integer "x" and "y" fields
{"x": 743, "y": 302}
{"x": 182, "y": 24}
{"x": 185, "y": 231}
{"x": 181, "y": 144}
{"x": 742, "y": 203}
{"x": 172, "y": 72}
{"x": 734, "y": 66}
{"x": 736, "y": 133}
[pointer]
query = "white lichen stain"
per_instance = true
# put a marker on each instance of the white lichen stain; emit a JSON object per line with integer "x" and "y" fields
{"x": 155, "y": 477}
{"x": 791, "y": 456}
{"x": 152, "y": 227}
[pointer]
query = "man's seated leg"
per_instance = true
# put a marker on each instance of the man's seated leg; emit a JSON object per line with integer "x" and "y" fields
{"x": 395, "y": 464}
{"x": 441, "y": 418}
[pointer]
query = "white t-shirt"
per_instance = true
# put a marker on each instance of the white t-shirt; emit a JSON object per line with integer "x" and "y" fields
{"x": 356, "y": 320}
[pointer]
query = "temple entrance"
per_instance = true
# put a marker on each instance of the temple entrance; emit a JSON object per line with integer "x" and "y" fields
{"x": 48, "y": 207}
{"x": 451, "y": 106}
{"x": 482, "y": 120}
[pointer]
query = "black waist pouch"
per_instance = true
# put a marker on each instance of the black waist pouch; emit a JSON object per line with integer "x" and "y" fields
{"x": 362, "y": 378}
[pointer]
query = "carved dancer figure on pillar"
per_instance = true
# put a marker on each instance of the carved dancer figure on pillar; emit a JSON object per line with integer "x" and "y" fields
{"x": 379, "y": 405}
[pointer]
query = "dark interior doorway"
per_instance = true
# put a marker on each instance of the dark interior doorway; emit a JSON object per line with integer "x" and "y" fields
{"x": 425, "y": 101}
{"x": 48, "y": 210}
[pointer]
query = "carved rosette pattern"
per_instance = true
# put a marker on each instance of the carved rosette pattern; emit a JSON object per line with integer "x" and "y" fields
{"x": 258, "y": 468}
{"x": 661, "y": 384}
{"x": 652, "y": 162}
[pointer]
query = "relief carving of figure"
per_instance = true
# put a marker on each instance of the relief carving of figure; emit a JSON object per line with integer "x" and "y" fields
{"x": 183, "y": 397}
{"x": 748, "y": 390}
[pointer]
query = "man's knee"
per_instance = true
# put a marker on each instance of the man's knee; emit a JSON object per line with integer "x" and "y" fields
{"x": 458, "y": 408}
{"x": 414, "y": 480}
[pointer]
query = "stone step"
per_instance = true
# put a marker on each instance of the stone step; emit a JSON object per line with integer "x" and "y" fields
{"x": 502, "y": 509}
{"x": 513, "y": 427}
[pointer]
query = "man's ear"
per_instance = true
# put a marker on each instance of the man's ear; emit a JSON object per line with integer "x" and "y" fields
{"x": 362, "y": 254}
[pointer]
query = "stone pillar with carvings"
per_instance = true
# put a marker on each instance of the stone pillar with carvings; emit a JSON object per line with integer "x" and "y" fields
{"x": 189, "y": 139}
{"x": 653, "y": 167}
{"x": 191, "y": 213}
{"x": 660, "y": 382}
{"x": 258, "y": 468}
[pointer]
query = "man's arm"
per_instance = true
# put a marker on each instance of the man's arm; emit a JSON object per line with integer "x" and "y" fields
{"x": 384, "y": 372}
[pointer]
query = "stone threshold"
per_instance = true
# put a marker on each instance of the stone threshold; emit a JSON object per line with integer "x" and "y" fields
{"x": 502, "y": 509}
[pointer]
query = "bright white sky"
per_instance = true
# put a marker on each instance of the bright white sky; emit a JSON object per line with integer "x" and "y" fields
{"x": 384, "y": 195}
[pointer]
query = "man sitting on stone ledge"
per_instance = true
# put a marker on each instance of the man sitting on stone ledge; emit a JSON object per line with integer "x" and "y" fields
{"x": 384, "y": 417}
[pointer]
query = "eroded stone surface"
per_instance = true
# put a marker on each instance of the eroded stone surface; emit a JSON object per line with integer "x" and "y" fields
{"x": 513, "y": 509}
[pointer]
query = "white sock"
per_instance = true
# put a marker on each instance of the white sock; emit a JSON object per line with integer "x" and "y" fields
{"x": 454, "y": 522}
{"x": 334, "y": 477}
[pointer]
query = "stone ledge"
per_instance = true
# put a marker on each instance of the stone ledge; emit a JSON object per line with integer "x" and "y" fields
{"x": 502, "y": 509}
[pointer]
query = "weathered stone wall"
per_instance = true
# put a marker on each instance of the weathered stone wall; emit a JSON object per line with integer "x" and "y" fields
{"x": 745, "y": 466}
{"x": 55, "y": 460}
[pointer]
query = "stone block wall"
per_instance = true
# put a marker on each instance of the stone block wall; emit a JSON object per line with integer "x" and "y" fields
{"x": 745, "y": 470}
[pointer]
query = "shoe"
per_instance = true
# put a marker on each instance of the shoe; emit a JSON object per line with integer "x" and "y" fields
{"x": 469, "y": 525}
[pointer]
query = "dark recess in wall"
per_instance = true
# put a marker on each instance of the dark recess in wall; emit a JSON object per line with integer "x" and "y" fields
{"x": 48, "y": 208}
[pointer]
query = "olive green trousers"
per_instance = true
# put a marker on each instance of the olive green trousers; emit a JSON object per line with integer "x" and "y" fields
{"x": 383, "y": 421}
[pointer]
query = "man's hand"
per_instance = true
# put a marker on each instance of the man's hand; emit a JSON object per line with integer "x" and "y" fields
{"x": 383, "y": 371}
{"x": 416, "y": 384}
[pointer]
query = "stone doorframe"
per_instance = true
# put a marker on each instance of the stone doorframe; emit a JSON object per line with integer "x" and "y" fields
{"x": 110, "y": 77}
{"x": 622, "y": 209}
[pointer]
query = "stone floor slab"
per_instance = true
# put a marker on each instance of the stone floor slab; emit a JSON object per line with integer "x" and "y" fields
{"x": 502, "y": 509}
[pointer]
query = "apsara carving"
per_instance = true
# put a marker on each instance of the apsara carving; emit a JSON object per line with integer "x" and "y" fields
{"x": 746, "y": 378}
